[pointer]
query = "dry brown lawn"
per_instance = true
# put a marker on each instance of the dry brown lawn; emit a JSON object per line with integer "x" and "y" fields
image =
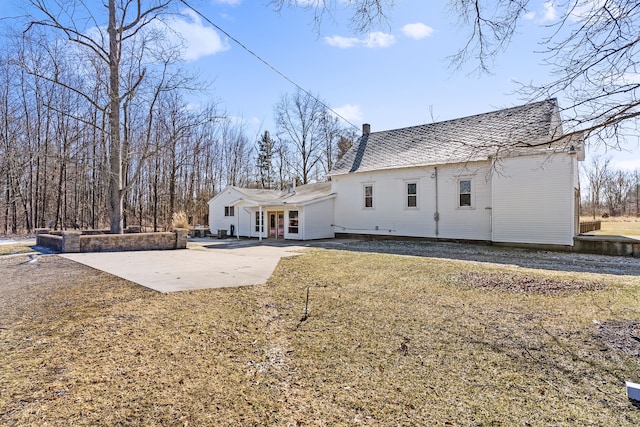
{"x": 390, "y": 340}
{"x": 618, "y": 226}
{"x": 15, "y": 249}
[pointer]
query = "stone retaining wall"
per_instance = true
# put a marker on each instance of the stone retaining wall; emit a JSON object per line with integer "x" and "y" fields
{"x": 76, "y": 241}
{"x": 49, "y": 241}
{"x": 607, "y": 245}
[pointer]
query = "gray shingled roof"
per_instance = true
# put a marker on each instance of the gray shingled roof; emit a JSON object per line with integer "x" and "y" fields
{"x": 303, "y": 194}
{"x": 454, "y": 141}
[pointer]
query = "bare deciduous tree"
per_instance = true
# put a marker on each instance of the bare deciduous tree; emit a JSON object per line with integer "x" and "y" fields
{"x": 55, "y": 143}
{"x": 364, "y": 13}
{"x": 125, "y": 22}
{"x": 592, "y": 51}
{"x": 331, "y": 131}
{"x": 597, "y": 174}
{"x": 299, "y": 118}
{"x": 617, "y": 188}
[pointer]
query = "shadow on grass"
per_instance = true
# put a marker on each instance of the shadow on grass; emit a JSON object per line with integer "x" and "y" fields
{"x": 538, "y": 259}
{"x": 529, "y": 258}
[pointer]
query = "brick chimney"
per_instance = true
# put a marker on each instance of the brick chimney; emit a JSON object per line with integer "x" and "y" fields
{"x": 366, "y": 129}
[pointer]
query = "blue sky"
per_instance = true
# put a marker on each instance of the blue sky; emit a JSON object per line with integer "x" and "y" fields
{"x": 398, "y": 75}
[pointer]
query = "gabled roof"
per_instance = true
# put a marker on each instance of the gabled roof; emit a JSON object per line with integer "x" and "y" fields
{"x": 454, "y": 141}
{"x": 304, "y": 194}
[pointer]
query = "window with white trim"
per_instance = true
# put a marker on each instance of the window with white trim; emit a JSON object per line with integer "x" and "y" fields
{"x": 258, "y": 219}
{"x": 368, "y": 196}
{"x": 464, "y": 193}
{"x": 412, "y": 195}
{"x": 293, "y": 222}
{"x": 229, "y": 211}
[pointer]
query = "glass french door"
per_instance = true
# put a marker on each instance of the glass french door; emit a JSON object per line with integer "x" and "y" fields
{"x": 276, "y": 225}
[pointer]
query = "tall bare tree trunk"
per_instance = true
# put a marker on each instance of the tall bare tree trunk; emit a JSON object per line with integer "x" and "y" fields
{"x": 115, "y": 146}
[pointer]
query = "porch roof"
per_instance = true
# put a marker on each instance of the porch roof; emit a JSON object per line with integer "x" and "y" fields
{"x": 302, "y": 195}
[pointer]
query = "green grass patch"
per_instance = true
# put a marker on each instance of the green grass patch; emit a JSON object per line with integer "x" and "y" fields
{"x": 389, "y": 340}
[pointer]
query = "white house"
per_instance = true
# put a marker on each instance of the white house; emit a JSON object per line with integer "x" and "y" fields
{"x": 302, "y": 213}
{"x": 507, "y": 176}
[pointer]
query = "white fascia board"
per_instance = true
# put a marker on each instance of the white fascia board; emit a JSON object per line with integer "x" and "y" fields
{"x": 312, "y": 201}
{"x": 227, "y": 189}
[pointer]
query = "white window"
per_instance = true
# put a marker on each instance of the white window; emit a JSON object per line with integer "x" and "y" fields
{"x": 464, "y": 193}
{"x": 368, "y": 196}
{"x": 412, "y": 195}
{"x": 259, "y": 220}
{"x": 228, "y": 211}
{"x": 293, "y": 222}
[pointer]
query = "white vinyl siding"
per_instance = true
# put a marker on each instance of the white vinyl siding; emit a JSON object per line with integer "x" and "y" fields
{"x": 533, "y": 200}
{"x": 316, "y": 220}
{"x": 217, "y": 219}
{"x": 391, "y": 217}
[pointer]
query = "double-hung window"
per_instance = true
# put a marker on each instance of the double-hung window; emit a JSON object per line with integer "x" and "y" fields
{"x": 368, "y": 196}
{"x": 464, "y": 193}
{"x": 228, "y": 211}
{"x": 259, "y": 221}
{"x": 412, "y": 195}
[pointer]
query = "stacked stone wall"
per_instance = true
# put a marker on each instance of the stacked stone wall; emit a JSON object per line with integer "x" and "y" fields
{"x": 49, "y": 241}
{"x": 76, "y": 241}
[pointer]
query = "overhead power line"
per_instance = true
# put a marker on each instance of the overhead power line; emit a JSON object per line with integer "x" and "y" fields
{"x": 265, "y": 62}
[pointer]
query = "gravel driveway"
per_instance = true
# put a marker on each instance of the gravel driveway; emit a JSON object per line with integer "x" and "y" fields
{"x": 548, "y": 260}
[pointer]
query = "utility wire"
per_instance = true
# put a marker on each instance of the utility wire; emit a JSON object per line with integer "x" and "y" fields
{"x": 259, "y": 58}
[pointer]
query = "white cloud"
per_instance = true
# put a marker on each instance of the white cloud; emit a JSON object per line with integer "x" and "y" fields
{"x": 342, "y": 42}
{"x": 198, "y": 40}
{"x": 550, "y": 13}
{"x": 379, "y": 39}
{"x": 530, "y": 15}
{"x": 373, "y": 40}
{"x": 417, "y": 31}
{"x": 228, "y": 2}
{"x": 351, "y": 112}
{"x": 588, "y": 10}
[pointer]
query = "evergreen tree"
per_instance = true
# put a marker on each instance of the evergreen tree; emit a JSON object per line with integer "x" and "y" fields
{"x": 263, "y": 163}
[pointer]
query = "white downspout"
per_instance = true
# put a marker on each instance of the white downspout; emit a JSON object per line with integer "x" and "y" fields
{"x": 436, "y": 215}
{"x": 301, "y": 221}
{"x": 261, "y": 223}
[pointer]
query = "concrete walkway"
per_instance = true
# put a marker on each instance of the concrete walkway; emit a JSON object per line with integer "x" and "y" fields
{"x": 206, "y": 263}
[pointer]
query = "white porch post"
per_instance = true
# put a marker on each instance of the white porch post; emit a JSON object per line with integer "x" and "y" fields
{"x": 261, "y": 223}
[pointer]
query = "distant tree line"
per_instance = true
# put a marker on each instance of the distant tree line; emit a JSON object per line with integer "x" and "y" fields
{"x": 59, "y": 164}
{"x": 608, "y": 192}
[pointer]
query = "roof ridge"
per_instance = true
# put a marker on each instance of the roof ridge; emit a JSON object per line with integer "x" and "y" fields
{"x": 462, "y": 139}
{"x": 531, "y": 104}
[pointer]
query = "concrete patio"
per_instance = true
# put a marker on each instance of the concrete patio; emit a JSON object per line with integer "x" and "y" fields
{"x": 206, "y": 263}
